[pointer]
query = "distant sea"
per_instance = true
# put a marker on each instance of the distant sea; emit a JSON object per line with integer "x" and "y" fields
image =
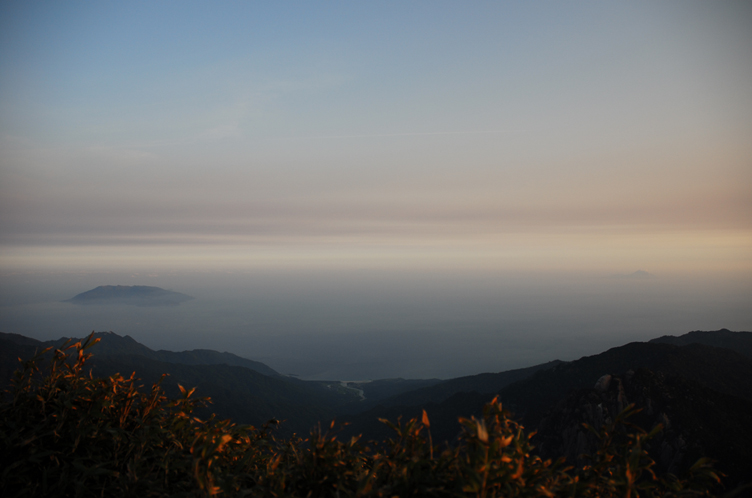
{"x": 369, "y": 324}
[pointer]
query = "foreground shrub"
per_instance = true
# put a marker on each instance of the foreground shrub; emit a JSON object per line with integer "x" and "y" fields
{"x": 66, "y": 433}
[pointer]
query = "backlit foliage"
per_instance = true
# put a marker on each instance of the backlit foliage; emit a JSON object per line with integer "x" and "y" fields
{"x": 66, "y": 433}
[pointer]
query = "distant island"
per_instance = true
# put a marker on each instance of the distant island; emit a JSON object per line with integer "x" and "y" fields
{"x": 134, "y": 295}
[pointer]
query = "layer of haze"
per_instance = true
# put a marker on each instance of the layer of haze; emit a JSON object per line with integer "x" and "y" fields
{"x": 422, "y": 181}
{"x": 369, "y": 324}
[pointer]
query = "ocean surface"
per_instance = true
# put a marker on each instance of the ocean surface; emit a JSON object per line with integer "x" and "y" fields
{"x": 370, "y": 324}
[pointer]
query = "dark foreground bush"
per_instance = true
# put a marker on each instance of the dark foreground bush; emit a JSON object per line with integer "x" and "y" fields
{"x": 65, "y": 433}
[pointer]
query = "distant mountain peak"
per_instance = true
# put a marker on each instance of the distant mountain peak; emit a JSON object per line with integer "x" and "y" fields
{"x": 134, "y": 295}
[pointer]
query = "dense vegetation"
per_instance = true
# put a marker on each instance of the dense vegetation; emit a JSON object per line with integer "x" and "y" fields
{"x": 64, "y": 432}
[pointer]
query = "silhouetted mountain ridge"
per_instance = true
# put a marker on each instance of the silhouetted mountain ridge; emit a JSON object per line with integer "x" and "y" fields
{"x": 113, "y": 344}
{"x": 741, "y": 342}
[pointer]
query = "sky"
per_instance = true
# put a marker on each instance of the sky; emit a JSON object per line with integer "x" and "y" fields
{"x": 538, "y": 136}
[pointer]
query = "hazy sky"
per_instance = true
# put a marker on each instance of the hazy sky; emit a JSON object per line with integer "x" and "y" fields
{"x": 576, "y": 136}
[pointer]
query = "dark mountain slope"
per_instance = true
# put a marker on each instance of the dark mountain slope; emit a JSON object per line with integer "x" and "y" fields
{"x": 237, "y": 392}
{"x": 13, "y": 347}
{"x": 443, "y": 417}
{"x": 19, "y": 339}
{"x": 109, "y": 343}
{"x": 114, "y": 344}
{"x": 245, "y": 396}
{"x": 485, "y": 383}
{"x": 377, "y": 390}
{"x": 210, "y": 357}
{"x": 718, "y": 369}
{"x": 741, "y": 342}
{"x": 697, "y": 421}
